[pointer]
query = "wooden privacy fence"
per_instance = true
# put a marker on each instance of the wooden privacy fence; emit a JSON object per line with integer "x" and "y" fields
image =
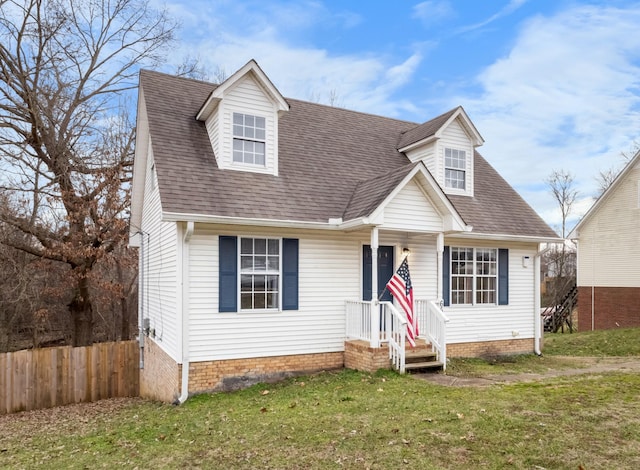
{"x": 42, "y": 378}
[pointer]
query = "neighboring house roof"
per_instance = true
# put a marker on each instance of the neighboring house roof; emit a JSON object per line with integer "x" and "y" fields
{"x": 635, "y": 160}
{"x": 333, "y": 164}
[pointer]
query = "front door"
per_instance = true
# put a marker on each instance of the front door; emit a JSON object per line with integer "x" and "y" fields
{"x": 385, "y": 271}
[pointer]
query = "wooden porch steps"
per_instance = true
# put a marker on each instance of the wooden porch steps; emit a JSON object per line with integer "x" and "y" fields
{"x": 421, "y": 359}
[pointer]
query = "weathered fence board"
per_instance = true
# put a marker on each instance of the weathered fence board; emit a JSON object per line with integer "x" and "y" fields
{"x": 43, "y": 378}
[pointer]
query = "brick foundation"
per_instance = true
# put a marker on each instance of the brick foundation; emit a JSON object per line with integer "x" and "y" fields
{"x": 491, "y": 348}
{"x": 234, "y": 374}
{"x": 358, "y": 355}
{"x": 613, "y": 307}
{"x": 160, "y": 377}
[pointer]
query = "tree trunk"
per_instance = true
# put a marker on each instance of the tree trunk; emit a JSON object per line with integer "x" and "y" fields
{"x": 125, "y": 330}
{"x": 4, "y": 338}
{"x": 81, "y": 312}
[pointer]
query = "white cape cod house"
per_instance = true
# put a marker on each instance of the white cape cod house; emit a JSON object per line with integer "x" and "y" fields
{"x": 268, "y": 228}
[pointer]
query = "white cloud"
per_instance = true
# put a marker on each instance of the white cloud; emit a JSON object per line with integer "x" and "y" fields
{"x": 512, "y": 6}
{"x": 564, "y": 98}
{"x": 364, "y": 81}
{"x": 431, "y": 12}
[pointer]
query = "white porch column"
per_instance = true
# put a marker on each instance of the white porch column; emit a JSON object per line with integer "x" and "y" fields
{"x": 375, "y": 309}
{"x": 440, "y": 251}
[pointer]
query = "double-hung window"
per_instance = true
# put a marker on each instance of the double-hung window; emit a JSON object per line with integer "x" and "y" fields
{"x": 249, "y": 135}
{"x": 474, "y": 276}
{"x": 455, "y": 164}
{"x": 259, "y": 273}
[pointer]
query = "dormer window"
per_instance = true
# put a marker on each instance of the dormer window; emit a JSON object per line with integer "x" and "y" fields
{"x": 249, "y": 134}
{"x": 455, "y": 164}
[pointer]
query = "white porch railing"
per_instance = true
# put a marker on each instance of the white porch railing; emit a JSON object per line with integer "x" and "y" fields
{"x": 395, "y": 328}
{"x": 359, "y": 320}
{"x": 379, "y": 322}
{"x": 432, "y": 325}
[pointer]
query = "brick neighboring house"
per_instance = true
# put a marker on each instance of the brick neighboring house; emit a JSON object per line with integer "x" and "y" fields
{"x": 268, "y": 228}
{"x": 608, "y": 241}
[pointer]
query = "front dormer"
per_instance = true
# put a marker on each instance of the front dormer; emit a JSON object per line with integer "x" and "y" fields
{"x": 446, "y": 145}
{"x": 241, "y": 117}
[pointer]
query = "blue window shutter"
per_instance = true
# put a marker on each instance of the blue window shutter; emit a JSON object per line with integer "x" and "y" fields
{"x": 289, "y": 274}
{"x": 503, "y": 276}
{"x": 446, "y": 276}
{"x": 228, "y": 276}
{"x": 367, "y": 268}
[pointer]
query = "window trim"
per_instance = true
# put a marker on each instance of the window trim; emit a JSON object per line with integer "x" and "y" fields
{"x": 460, "y": 170}
{"x": 244, "y": 139}
{"x": 228, "y": 274}
{"x": 253, "y": 272}
{"x": 501, "y": 277}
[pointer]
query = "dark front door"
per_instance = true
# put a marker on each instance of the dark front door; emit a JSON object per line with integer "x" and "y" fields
{"x": 385, "y": 271}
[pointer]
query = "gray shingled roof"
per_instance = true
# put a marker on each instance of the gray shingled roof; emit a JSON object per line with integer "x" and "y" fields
{"x": 496, "y": 207}
{"x": 333, "y": 163}
{"x": 422, "y": 131}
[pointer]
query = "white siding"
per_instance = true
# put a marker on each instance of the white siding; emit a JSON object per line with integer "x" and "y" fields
{"x": 454, "y": 136}
{"x": 330, "y": 272}
{"x": 427, "y": 154}
{"x": 213, "y": 129}
{"x": 246, "y": 97}
{"x": 423, "y": 261}
{"x": 411, "y": 210}
{"x": 609, "y": 243}
{"x": 498, "y": 322}
{"x": 159, "y": 270}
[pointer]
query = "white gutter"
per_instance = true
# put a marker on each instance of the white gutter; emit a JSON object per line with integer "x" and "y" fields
{"x": 332, "y": 224}
{"x": 537, "y": 319}
{"x": 505, "y": 237}
{"x": 184, "y": 388}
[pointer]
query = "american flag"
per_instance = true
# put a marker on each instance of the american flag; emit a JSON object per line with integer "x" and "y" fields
{"x": 400, "y": 287}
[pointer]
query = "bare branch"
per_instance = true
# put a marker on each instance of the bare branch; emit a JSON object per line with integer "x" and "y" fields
{"x": 66, "y": 138}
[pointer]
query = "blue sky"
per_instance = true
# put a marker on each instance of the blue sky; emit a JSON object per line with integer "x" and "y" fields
{"x": 550, "y": 84}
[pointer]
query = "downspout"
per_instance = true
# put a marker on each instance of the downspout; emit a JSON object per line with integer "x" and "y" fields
{"x": 184, "y": 388}
{"x": 141, "y": 299}
{"x": 537, "y": 323}
{"x": 593, "y": 278}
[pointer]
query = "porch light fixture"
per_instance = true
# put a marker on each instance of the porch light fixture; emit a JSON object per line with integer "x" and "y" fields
{"x": 406, "y": 251}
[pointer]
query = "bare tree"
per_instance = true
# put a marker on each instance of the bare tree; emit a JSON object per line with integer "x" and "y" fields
{"x": 606, "y": 177}
{"x": 560, "y": 260}
{"x": 65, "y": 133}
{"x": 562, "y": 188}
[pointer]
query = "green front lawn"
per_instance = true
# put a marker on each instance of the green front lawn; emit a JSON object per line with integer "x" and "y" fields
{"x": 619, "y": 342}
{"x": 350, "y": 420}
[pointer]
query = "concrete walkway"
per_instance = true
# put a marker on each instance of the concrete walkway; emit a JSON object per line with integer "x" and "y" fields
{"x": 588, "y": 365}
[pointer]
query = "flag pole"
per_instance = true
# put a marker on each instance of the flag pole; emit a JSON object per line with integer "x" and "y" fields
{"x": 405, "y": 256}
